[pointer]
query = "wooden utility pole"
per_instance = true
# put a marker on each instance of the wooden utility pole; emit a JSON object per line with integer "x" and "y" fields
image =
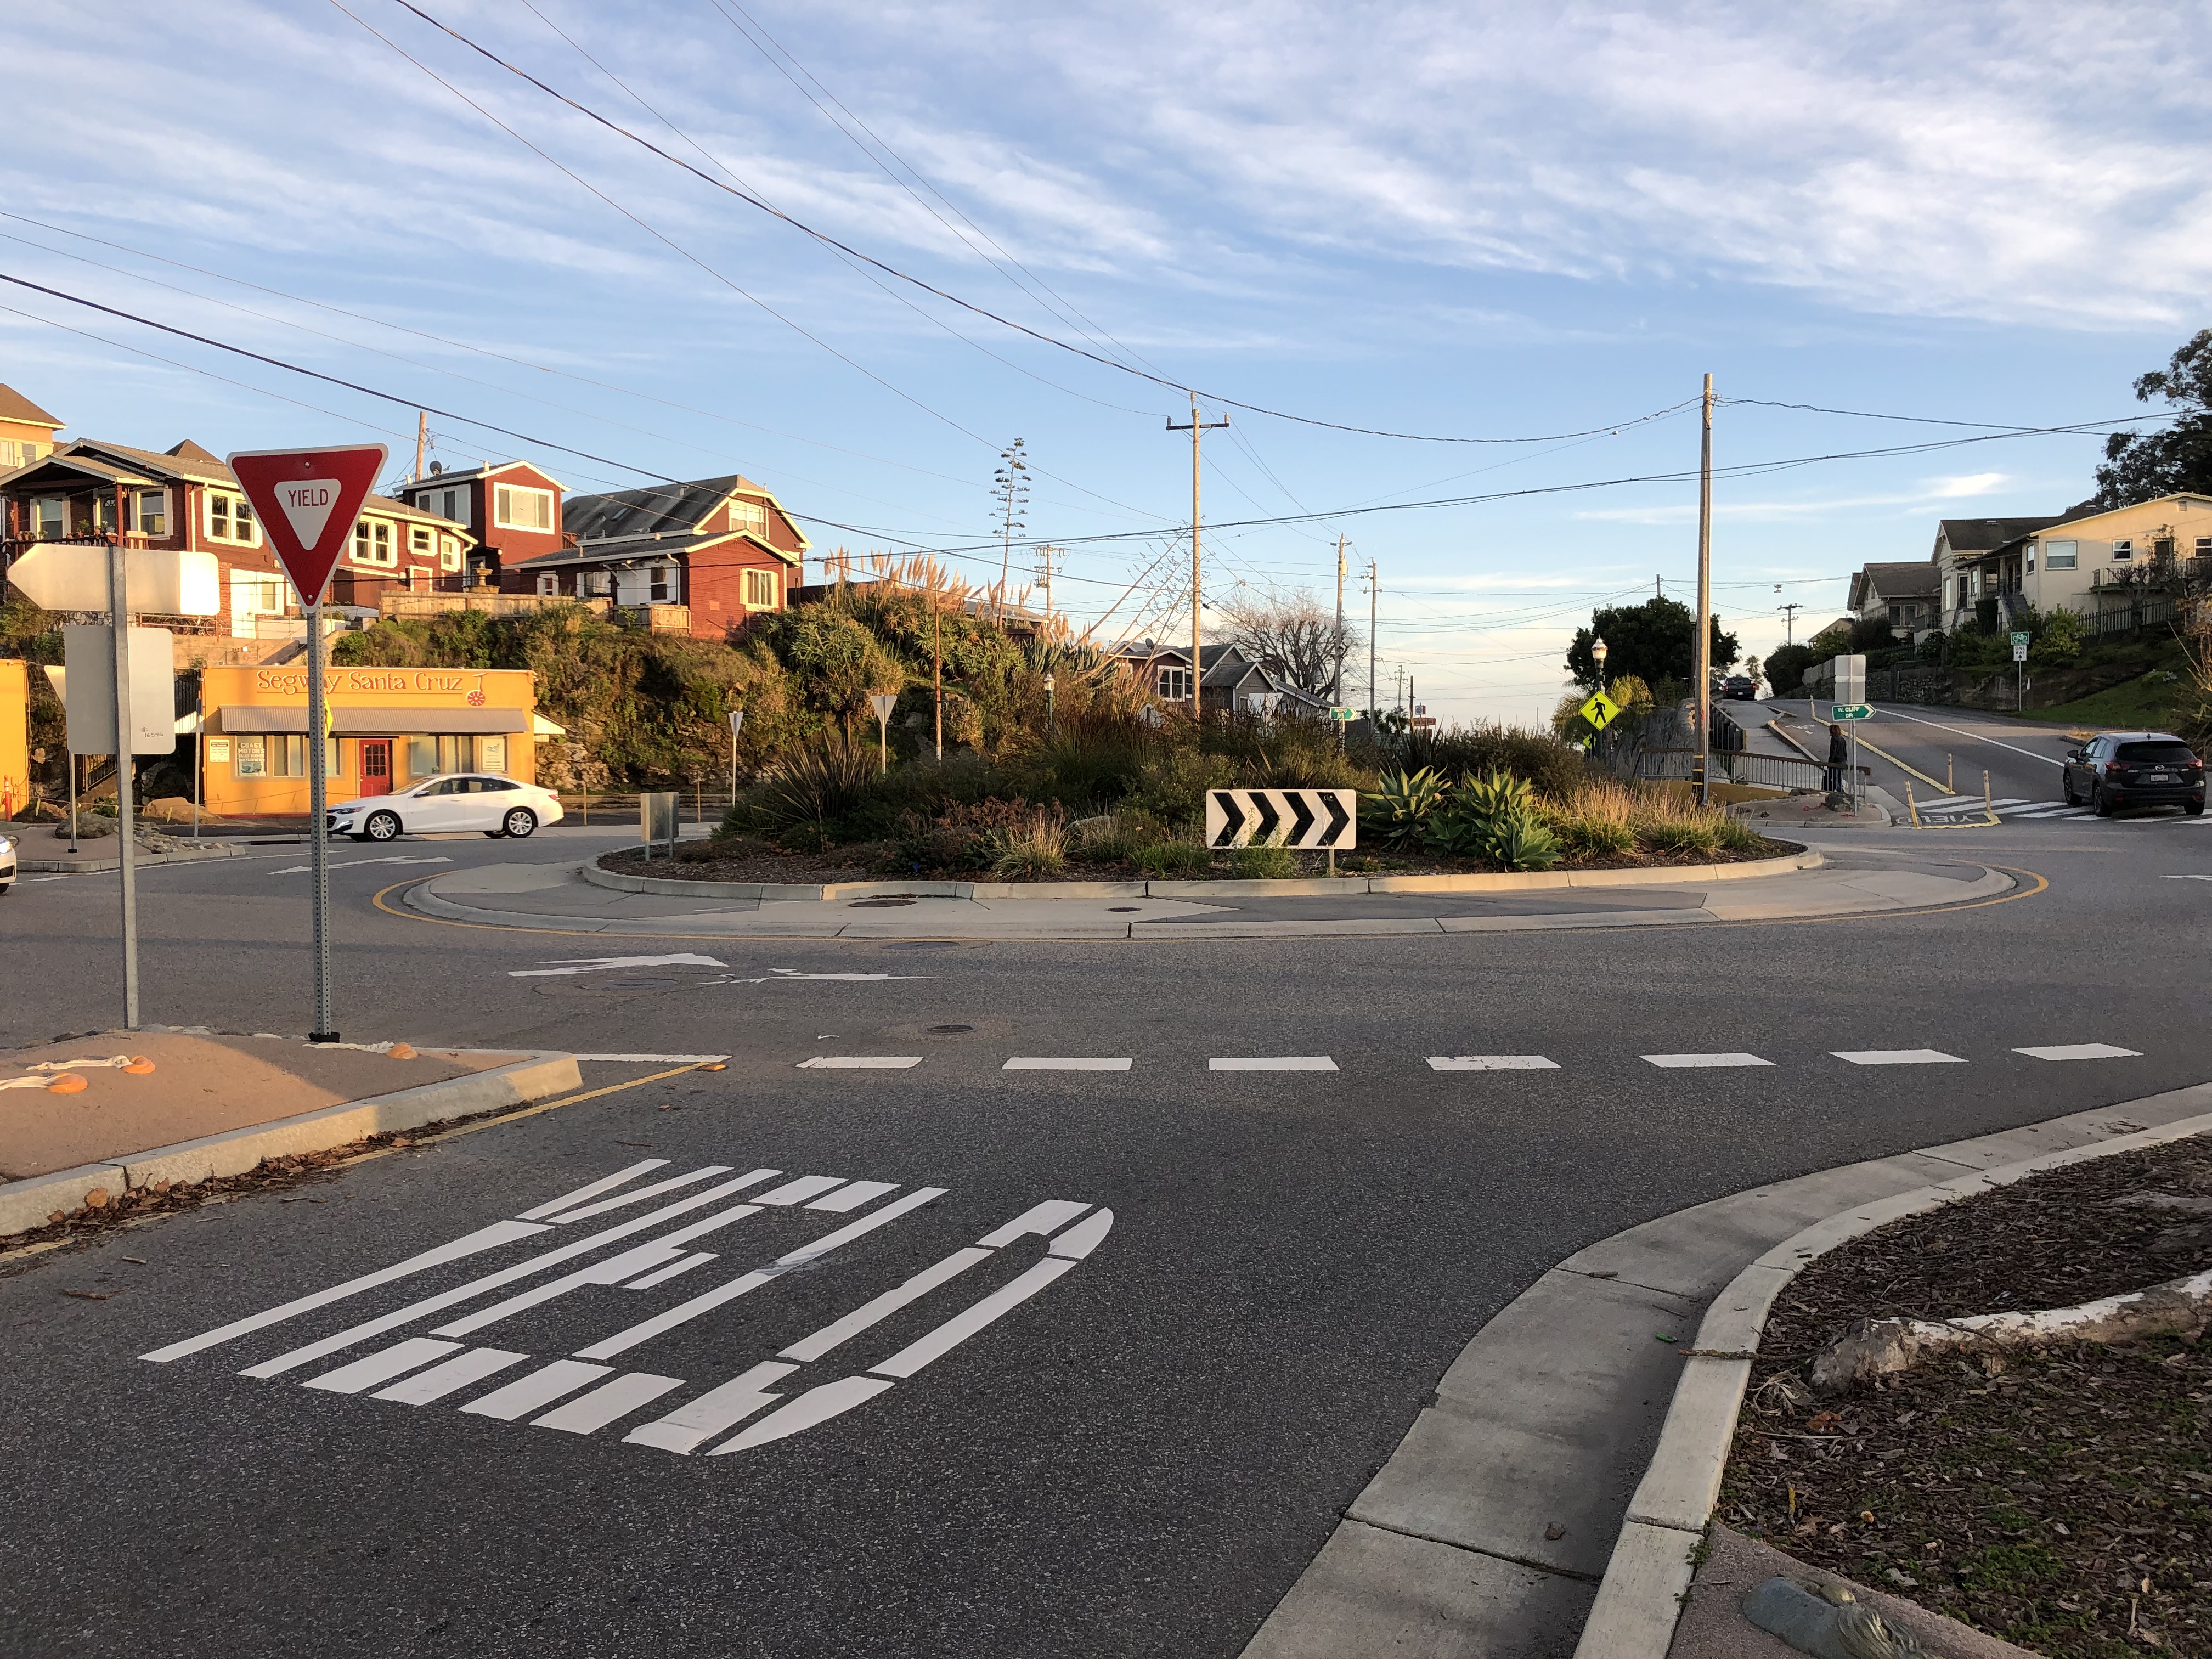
{"x": 1197, "y": 669}
{"x": 1704, "y": 656}
{"x": 422, "y": 441}
{"x": 1374, "y": 593}
{"x": 937, "y": 667}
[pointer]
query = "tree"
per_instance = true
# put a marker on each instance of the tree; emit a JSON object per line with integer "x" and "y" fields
{"x": 1291, "y": 633}
{"x": 1786, "y": 665}
{"x": 2142, "y": 466}
{"x": 1653, "y": 641}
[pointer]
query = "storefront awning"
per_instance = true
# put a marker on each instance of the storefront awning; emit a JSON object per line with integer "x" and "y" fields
{"x": 542, "y": 727}
{"x": 377, "y": 722}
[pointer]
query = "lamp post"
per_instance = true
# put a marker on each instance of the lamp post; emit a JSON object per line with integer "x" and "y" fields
{"x": 1051, "y": 729}
{"x": 1598, "y": 654}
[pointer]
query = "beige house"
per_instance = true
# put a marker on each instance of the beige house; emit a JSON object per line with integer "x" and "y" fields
{"x": 2088, "y": 558}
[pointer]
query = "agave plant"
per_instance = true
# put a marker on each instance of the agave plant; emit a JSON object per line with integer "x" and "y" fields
{"x": 1496, "y": 794}
{"x": 1403, "y": 802}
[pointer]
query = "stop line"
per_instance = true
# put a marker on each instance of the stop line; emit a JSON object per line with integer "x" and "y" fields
{"x": 581, "y": 1393}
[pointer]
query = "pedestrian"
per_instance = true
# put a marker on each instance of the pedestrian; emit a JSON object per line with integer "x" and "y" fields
{"x": 1840, "y": 750}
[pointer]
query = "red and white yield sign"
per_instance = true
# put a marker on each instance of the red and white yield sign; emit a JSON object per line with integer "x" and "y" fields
{"x": 308, "y": 499}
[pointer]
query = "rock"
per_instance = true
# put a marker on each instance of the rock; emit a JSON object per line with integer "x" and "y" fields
{"x": 1827, "y": 1621}
{"x": 96, "y": 1199}
{"x": 90, "y": 826}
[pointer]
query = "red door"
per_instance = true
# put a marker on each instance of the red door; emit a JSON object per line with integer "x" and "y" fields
{"x": 376, "y": 766}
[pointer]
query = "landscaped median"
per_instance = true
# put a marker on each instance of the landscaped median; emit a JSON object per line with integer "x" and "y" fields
{"x": 118, "y": 1122}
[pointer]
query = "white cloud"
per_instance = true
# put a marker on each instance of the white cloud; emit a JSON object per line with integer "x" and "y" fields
{"x": 1930, "y": 492}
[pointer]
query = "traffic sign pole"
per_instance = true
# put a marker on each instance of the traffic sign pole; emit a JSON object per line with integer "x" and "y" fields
{"x": 319, "y": 840}
{"x": 118, "y": 611}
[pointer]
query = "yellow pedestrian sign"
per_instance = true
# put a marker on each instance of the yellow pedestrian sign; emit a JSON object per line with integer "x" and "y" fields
{"x": 1600, "y": 711}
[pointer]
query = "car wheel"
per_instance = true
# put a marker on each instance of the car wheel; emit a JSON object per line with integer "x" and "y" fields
{"x": 381, "y": 826}
{"x": 2066, "y": 788}
{"x": 2195, "y": 809}
{"x": 518, "y": 823}
{"x": 2098, "y": 804}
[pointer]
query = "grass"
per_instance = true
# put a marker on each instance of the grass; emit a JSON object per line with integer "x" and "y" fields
{"x": 1174, "y": 858}
{"x": 1264, "y": 863}
{"x": 2156, "y": 700}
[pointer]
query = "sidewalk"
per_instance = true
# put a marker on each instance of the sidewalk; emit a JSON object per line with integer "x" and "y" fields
{"x": 193, "y": 1104}
{"x": 40, "y": 851}
{"x": 554, "y": 897}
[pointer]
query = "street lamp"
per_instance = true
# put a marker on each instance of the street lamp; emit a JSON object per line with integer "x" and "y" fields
{"x": 1051, "y": 728}
{"x": 1599, "y": 652}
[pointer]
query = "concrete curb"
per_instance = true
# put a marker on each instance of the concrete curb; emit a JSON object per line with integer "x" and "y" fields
{"x": 25, "y": 1204}
{"x": 1475, "y": 882}
{"x": 1640, "y": 1598}
{"x": 82, "y": 865}
{"x": 1567, "y": 1458}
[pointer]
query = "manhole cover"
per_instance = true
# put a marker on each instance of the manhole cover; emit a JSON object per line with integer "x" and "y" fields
{"x": 1124, "y": 907}
{"x": 947, "y": 1030}
{"x": 877, "y": 904}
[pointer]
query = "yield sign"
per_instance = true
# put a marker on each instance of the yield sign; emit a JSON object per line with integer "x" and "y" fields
{"x": 308, "y": 499}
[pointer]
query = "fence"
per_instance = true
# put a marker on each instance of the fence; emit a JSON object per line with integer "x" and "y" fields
{"x": 2148, "y": 612}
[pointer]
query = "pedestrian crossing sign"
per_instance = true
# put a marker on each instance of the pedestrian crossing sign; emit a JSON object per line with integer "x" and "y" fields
{"x": 1600, "y": 711}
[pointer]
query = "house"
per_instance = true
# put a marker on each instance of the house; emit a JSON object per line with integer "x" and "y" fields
{"x": 2085, "y": 559}
{"x": 698, "y": 557}
{"x": 1977, "y": 559}
{"x": 511, "y": 510}
{"x": 184, "y": 498}
{"x": 1902, "y": 595}
{"x": 26, "y": 432}
{"x": 1228, "y": 680}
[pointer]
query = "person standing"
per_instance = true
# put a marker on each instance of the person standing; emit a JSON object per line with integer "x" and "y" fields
{"x": 1839, "y": 751}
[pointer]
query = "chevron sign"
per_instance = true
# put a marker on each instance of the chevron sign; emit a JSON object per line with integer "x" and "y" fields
{"x": 1282, "y": 817}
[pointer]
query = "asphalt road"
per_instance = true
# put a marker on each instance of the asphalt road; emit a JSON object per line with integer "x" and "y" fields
{"x": 1138, "y": 1459}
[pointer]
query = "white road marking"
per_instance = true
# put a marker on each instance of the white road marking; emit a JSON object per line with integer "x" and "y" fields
{"x": 2057, "y": 810}
{"x": 816, "y": 1406}
{"x": 869, "y": 1314}
{"x": 594, "y": 1411}
{"x": 2185, "y": 878}
{"x": 638, "y": 1259}
{"x": 566, "y": 965}
{"x": 621, "y": 1342}
{"x": 936, "y": 1343}
{"x": 2004, "y": 802}
{"x": 658, "y": 1059}
{"x": 1939, "y": 803}
{"x": 860, "y": 1062}
{"x": 605, "y": 1183}
{"x": 1085, "y": 1237}
{"x": 384, "y": 1366}
{"x": 1492, "y": 1063}
{"x": 851, "y": 1197}
{"x": 1674, "y": 1062}
{"x": 541, "y": 1387}
{"x": 781, "y": 975}
{"x": 1973, "y": 737}
{"x": 454, "y": 1374}
{"x": 659, "y": 1276}
{"x": 1897, "y": 1057}
{"x": 799, "y": 1189}
{"x": 675, "y": 1183}
{"x": 1277, "y": 1063}
{"x": 717, "y": 1409}
{"x": 1045, "y": 1217}
{"x": 351, "y": 864}
{"x": 484, "y": 1238}
{"x": 2080, "y": 1051}
{"x": 1063, "y": 1063}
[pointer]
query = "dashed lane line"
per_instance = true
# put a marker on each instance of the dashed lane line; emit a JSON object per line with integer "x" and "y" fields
{"x": 2080, "y": 1051}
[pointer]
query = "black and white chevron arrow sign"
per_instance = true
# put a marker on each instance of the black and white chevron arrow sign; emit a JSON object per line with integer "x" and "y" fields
{"x": 1318, "y": 818}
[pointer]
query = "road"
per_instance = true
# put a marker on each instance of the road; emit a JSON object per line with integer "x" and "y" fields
{"x": 1140, "y": 1457}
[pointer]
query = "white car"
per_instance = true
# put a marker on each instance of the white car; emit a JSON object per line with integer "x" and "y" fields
{"x": 7, "y": 864}
{"x": 449, "y": 805}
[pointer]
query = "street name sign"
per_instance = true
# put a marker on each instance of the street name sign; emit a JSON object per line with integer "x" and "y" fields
{"x": 159, "y": 581}
{"x": 1850, "y": 711}
{"x": 1600, "y": 711}
{"x": 307, "y": 500}
{"x": 1318, "y": 818}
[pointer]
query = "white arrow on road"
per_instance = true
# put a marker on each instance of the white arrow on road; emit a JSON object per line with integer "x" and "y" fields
{"x": 301, "y": 869}
{"x": 778, "y": 975}
{"x": 600, "y": 964}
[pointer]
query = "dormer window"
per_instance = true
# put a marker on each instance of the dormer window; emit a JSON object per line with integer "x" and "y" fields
{"x": 515, "y": 508}
{"x": 748, "y": 515}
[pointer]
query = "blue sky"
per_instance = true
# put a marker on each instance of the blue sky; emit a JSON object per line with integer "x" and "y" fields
{"x": 1460, "y": 221}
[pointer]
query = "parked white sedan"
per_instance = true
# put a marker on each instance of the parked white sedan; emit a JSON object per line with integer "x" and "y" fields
{"x": 458, "y": 803}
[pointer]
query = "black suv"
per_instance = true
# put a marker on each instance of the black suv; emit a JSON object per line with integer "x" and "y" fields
{"x": 1739, "y": 688}
{"x": 2135, "y": 768}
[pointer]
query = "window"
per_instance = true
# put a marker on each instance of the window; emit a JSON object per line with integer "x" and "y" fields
{"x": 418, "y": 540}
{"x": 2161, "y": 547}
{"x": 153, "y": 511}
{"x": 51, "y": 518}
{"x": 252, "y": 760}
{"x": 287, "y": 755}
{"x": 229, "y": 517}
{"x": 522, "y": 509}
{"x": 371, "y": 543}
{"x": 2031, "y": 558}
{"x": 750, "y": 515}
{"x": 449, "y": 552}
{"x": 1174, "y": 684}
{"x": 663, "y": 588}
{"x": 595, "y": 584}
{"x": 14, "y": 455}
{"x": 427, "y": 757}
{"x": 760, "y": 590}
{"x": 548, "y": 585}
{"x": 2164, "y": 754}
{"x": 2205, "y": 547}
{"x": 2123, "y": 551}
{"x": 2058, "y": 555}
{"x": 453, "y": 504}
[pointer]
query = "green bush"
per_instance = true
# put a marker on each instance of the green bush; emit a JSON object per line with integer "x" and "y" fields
{"x": 1265, "y": 863}
{"x": 1592, "y": 834}
{"x": 1551, "y": 767}
{"x": 1691, "y": 836}
{"x": 1521, "y": 842}
{"x": 807, "y": 792}
{"x": 1735, "y": 835}
{"x": 1174, "y": 858}
{"x": 1173, "y": 783}
{"x": 1036, "y": 848}
{"x": 1397, "y": 810}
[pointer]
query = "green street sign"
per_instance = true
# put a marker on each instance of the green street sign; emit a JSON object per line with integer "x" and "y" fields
{"x": 1850, "y": 711}
{"x": 1600, "y": 711}
{"x": 1343, "y": 714}
{"x": 2020, "y": 639}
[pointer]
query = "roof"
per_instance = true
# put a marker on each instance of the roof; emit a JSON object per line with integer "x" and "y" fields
{"x": 157, "y": 463}
{"x": 14, "y": 406}
{"x": 657, "y": 507}
{"x": 1987, "y": 535}
{"x": 1901, "y": 581}
{"x": 2083, "y": 512}
{"x": 442, "y": 480}
{"x": 65, "y": 459}
{"x": 650, "y": 544}
{"x": 185, "y": 450}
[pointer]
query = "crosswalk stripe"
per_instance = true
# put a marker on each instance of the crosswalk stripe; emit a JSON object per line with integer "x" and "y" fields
{"x": 2031, "y": 808}
{"x": 1274, "y": 1063}
{"x": 2080, "y": 1051}
{"x": 1678, "y": 1062}
{"x": 1940, "y": 802}
{"x": 1898, "y": 1057}
{"x": 1064, "y": 1063}
{"x": 1492, "y": 1063}
{"x": 860, "y": 1062}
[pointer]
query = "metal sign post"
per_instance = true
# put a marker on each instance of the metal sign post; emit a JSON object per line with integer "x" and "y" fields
{"x": 118, "y": 610}
{"x": 319, "y": 840}
{"x": 737, "y": 719}
{"x": 2020, "y": 643}
{"x": 883, "y": 702}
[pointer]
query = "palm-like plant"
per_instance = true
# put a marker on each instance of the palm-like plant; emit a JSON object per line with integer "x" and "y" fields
{"x": 1403, "y": 803}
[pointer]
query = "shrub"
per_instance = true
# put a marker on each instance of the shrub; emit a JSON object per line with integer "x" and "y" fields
{"x": 1114, "y": 837}
{"x": 807, "y": 792}
{"x": 1397, "y": 810}
{"x": 1037, "y": 847}
{"x": 967, "y": 836}
{"x": 1737, "y": 836}
{"x": 1521, "y": 842}
{"x": 1173, "y": 783}
{"x": 1682, "y": 835}
{"x": 1264, "y": 863}
{"x": 1174, "y": 858}
{"x": 1550, "y": 765}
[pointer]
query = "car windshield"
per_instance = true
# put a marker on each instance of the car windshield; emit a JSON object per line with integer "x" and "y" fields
{"x": 2165, "y": 753}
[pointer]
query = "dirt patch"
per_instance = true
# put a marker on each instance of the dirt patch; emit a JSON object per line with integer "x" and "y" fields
{"x": 2060, "y": 1498}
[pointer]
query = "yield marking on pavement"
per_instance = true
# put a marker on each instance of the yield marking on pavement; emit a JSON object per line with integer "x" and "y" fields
{"x": 581, "y": 1394}
{"x": 1275, "y": 1063}
{"x": 1897, "y": 1057}
{"x": 1065, "y": 1063}
{"x": 603, "y": 965}
{"x": 1687, "y": 1062}
{"x": 1492, "y": 1063}
{"x": 860, "y": 1062}
{"x": 2080, "y": 1051}
{"x": 355, "y": 864}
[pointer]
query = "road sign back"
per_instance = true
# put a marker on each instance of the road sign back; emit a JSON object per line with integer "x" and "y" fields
{"x": 308, "y": 499}
{"x": 1600, "y": 711}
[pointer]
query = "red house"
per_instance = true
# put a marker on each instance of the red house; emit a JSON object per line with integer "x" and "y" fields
{"x": 719, "y": 549}
{"x": 512, "y": 511}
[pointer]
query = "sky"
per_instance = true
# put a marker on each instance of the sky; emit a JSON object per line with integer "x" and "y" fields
{"x": 1516, "y": 238}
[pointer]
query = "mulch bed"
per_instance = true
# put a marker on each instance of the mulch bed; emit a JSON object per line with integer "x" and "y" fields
{"x": 2059, "y": 1497}
{"x": 755, "y": 861}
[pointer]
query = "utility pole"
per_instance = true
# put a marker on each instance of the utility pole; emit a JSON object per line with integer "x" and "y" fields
{"x": 1374, "y": 599}
{"x": 1336, "y": 681}
{"x": 1789, "y": 621}
{"x": 1658, "y": 587}
{"x": 937, "y": 667}
{"x": 1398, "y": 678}
{"x": 1045, "y": 551}
{"x": 421, "y": 439}
{"x": 1704, "y": 648}
{"x": 1197, "y": 671}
